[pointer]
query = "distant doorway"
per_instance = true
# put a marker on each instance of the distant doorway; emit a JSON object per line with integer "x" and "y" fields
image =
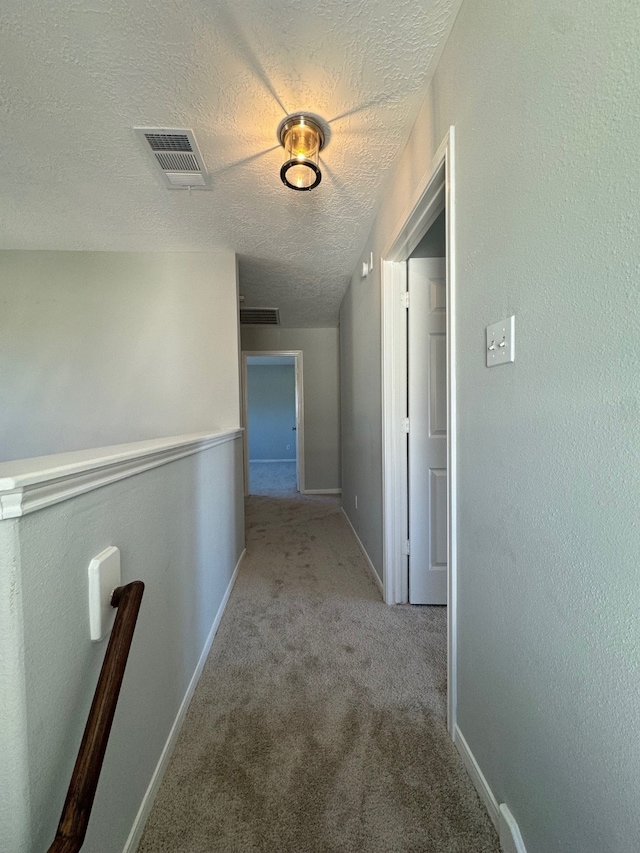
{"x": 273, "y": 439}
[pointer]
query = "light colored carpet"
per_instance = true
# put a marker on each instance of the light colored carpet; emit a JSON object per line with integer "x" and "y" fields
{"x": 272, "y": 478}
{"x": 318, "y": 725}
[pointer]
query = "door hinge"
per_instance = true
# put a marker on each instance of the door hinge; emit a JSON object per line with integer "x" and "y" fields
{"x": 406, "y": 547}
{"x": 404, "y": 299}
{"x": 405, "y": 425}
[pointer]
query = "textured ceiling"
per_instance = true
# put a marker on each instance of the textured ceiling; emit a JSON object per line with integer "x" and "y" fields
{"x": 76, "y": 77}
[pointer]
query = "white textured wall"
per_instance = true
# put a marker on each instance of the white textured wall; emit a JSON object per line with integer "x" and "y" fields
{"x": 321, "y": 371}
{"x": 180, "y": 529}
{"x": 101, "y": 348}
{"x": 544, "y": 101}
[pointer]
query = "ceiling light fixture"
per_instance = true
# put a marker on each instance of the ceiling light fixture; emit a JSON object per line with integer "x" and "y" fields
{"x": 302, "y": 138}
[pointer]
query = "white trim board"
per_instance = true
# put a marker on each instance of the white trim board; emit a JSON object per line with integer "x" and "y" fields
{"x": 322, "y": 492}
{"x": 27, "y": 485}
{"x": 504, "y": 822}
{"x": 510, "y": 838}
{"x": 477, "y": 777}
{"x": 131, "y": 844}
{"x": 367, "y": 558}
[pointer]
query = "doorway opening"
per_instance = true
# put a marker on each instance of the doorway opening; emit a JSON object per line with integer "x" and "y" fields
{"x": 427, "y": 417}
{"x": 273, "y": 422}
{"x": 419, "y": 404}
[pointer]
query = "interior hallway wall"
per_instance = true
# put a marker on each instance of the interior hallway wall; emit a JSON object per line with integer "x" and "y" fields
{"x": 271, "y": 391}
{"x": 543, "y": 100}
{"x": 98, "y": 348}
{"x": 321, "y": 377}
{"x": 102, "y": 348}
{"x": 180, "y": 529}
{"x": 434, "y": 242}
{"x": 361, "y": 395}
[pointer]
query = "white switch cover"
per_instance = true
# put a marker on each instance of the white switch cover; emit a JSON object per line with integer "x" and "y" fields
{"x": 501, "y": 340}
{"x": 104, "y": 577}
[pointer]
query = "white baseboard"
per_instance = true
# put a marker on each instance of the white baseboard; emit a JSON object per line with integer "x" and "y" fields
{"x": 370, "y": 566}
{"x": 321, "y": 491}
{"x": 477, "y": 777}
{"x": 510, "y": 838}
{"x": 262, "y": 461}
{"x": 135, "y": 835}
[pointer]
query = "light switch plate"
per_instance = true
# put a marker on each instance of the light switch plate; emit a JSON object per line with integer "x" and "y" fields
{"x": 104, "y": 577}
{"x": 501, "y": 340}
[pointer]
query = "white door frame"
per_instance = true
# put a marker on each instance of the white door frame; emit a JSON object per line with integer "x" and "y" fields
{"x": 424, "y": 207}
{"x": 297, "y": 355}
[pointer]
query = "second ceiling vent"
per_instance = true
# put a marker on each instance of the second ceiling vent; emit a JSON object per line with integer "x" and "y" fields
{"x": 175, "y": 152}
{"x": 259, "y": 316}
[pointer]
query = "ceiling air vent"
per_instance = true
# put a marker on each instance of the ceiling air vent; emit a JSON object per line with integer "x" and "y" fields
{"x": 175, "y": 152}
{"x": 259, "y": 316}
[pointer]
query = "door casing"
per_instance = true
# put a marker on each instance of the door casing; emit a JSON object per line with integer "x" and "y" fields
{"x": 437, "y": 185}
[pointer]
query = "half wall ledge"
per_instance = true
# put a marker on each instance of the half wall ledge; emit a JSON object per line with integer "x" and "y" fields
{"x": 27, "y": 485}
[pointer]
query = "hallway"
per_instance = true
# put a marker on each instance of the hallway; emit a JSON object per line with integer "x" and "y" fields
{"x": 319, "y": 722}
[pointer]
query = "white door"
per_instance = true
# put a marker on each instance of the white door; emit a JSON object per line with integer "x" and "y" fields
{"x": 427, "y": 441}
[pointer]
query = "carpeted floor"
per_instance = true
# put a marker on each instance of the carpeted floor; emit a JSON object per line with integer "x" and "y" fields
{"x": 318, "y": 725}
{"x": 272, "y": 478}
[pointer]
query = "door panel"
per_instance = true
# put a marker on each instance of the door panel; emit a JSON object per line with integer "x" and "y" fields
{"x": 438, "y": 385}
{"x": 427, "y": 441}
{"x": 438, "y": 506}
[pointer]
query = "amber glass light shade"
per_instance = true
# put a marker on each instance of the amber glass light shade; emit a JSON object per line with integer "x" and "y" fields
{"x": 302, "y": 139}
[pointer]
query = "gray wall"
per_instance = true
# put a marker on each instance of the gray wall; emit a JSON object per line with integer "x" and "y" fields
{"x": 98, "y": 349}
{"x": 361, "y": 394}
{"x": 434, "y": 242}
{"x": 544, "y": 103}
{"x": 101, "y": 348}
{"x": 320, "y": 348}
{"x": 180, "y": 529}
{"x": 271, "y": 392}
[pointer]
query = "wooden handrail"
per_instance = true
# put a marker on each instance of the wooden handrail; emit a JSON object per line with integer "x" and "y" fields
{"x": 84, "y": 779}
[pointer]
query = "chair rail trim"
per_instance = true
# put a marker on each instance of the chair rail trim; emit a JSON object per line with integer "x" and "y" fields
{"x": 28, "y": 485}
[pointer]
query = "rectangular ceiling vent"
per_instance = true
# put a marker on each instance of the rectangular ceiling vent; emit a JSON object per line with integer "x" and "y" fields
{"x": 260, "y": 316}
{"x": 175, "y": 152}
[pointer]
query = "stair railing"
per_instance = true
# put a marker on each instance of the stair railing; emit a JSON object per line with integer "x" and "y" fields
{"x": 84, "y": 779}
